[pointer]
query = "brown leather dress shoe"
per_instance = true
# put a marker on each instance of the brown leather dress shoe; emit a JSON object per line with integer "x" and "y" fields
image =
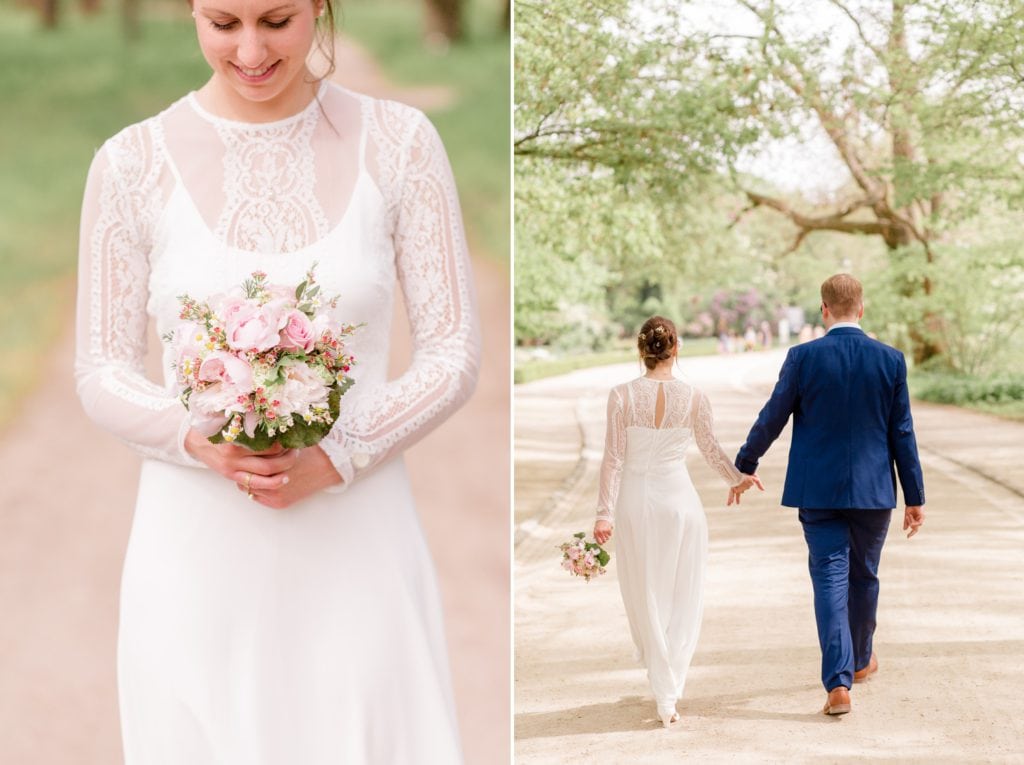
{"x": 863, "y": 674}
{"x": 838, "y": 701}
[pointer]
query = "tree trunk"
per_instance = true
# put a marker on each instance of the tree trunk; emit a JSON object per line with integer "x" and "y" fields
{"x": 89, "y": 7}
{"x": 443, "y": 21}
{"x": 49, "y": 10}
{"x": 130, "y": 19}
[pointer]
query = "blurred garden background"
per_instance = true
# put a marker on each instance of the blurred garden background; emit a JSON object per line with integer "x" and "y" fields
{"x": 71, "y": 75}
{"x": 715, "y": 161}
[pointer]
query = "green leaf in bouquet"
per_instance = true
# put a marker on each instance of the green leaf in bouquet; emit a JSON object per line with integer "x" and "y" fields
{"x": 302, "y": 434}
{"x": 580, "y": 535}
{"x": 603, "y": 557}
{"x": 300, "y": 289}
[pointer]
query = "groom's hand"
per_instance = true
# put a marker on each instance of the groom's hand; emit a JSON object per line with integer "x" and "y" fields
{"x": 913, "y": 519}
{"x": 736, "y": 491}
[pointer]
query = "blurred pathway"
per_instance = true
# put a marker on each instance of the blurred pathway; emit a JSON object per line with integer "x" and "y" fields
{"x": 66, "y": 499}
{"x": 951, "y": 620}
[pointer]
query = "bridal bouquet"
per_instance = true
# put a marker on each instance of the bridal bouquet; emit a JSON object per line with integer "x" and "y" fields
{"x": 582, "y": 558}
{"x": 262, "y": 365}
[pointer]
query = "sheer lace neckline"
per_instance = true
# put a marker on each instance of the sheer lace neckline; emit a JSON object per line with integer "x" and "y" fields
{"x": 655, "y": 379}
{"x": 209, "y": 116}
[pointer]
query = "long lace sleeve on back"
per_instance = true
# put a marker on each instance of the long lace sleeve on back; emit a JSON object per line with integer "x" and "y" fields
{"x": 614, "y": 452}
{"x": 432, "y": 264}
{"x": 121, "y": 204}
{"x": 704, "y": 435}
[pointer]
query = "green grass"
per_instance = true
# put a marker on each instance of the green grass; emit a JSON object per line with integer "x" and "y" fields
{"x": 476, "y": 127}
{"x": 1002, "y": 396}
{"x": 66, "y": 91}
{"x": 538, "y": 369}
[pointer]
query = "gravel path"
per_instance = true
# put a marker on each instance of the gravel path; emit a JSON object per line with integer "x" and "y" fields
{"x": 951, "y": 619}
{"x": 66, "y": 499}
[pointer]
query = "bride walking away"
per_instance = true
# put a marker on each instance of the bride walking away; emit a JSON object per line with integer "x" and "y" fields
{"x": 277, "y": 606}
{"x": 647, "y": 498}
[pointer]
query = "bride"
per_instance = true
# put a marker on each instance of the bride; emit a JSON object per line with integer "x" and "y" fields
{"x": 661, "y": 531}
{"x": 277, "y": 607}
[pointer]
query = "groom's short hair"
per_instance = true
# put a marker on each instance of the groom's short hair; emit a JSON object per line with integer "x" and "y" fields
{"x": 843, "y": 295}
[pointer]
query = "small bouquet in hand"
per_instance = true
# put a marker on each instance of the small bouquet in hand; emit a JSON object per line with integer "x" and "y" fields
{"x": 262, "y": 366}
{"x": 582, "y": 558}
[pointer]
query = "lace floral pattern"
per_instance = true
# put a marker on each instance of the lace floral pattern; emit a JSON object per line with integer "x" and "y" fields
{"x": 634, "y": 405}
{"x": 432, "y": 265}
{"x": 269, "y": 185}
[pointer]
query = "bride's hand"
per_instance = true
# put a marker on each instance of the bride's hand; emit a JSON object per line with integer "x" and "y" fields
{"x": 602, "y": 532}
{"x": 310, "y": 472}
{"x": 260, "y": 470}
{"x": 736, "y": 491}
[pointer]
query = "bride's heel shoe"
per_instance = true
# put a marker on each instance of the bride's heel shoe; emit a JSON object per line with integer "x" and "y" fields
{"x": 668, "y": 718}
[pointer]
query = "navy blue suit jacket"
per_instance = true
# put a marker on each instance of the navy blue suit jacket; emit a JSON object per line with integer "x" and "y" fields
{"x": 851, "y": 425}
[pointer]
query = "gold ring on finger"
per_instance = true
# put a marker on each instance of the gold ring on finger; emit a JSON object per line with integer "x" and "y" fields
{"x": 248, "y": 480}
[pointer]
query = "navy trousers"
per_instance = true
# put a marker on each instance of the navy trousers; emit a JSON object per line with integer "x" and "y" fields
{"x": 844, "y": 547}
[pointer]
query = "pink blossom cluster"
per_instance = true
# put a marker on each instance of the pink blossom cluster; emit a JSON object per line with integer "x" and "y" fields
{"x": 582, "y": 558}
{"x": 262, "y": 362}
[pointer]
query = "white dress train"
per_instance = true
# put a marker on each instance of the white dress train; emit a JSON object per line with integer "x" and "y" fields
{"x": 313, "y": 635}
{"x": 660, "y": 529}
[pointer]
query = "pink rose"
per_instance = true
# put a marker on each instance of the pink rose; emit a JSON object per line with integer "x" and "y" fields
{"x": 298, "y": 331}
{"x": 252, "y": 327}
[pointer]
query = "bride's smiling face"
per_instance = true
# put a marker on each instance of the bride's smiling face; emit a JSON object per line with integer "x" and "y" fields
{"x": 258, "y": 48}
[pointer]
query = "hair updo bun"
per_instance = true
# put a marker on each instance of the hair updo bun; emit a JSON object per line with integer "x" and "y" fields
{"x": 656, "y": 341}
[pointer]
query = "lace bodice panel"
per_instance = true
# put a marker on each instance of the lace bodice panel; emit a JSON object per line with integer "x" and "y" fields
{"x": 187, "y": 202}
{"x": 634, "y": 405}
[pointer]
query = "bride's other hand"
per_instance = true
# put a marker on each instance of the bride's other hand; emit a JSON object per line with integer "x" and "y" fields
{"x": 264, "y": 470}
{"x": 736, "y": 491}
{"x": 602, "y": 532}
{"x": 311, "y": 472}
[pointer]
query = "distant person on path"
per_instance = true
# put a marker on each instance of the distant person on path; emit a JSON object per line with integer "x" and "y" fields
{"x": 646, "y": 492}
{"x": 848, "y": 397}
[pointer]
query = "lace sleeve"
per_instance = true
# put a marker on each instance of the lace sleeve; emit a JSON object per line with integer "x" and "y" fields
{"x": 120, "y": 204}
{"x": 432, "y": 263}
{"x": 614, "y": 451}
{"x": 704, "y": 435}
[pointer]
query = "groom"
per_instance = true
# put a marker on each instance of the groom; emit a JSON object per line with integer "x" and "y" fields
{"x": 848, "y": 397}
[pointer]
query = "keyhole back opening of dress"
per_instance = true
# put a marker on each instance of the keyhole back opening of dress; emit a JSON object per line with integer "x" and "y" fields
{"x": 659, "y": 407}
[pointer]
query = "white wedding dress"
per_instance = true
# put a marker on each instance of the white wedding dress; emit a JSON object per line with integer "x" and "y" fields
{"x": 313, "y": 635}
{"x": 661, "y": 534}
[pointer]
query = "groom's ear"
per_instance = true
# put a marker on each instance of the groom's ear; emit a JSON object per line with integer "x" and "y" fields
{"x": 860, "y": 313}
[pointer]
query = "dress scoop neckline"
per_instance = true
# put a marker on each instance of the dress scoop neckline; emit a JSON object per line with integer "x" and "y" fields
{"x": 209, "y": 116}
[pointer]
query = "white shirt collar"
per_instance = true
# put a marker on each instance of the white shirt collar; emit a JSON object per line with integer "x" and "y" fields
{"x": 839, "y": 324}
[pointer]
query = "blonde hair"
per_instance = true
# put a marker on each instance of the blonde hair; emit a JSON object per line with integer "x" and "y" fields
{"x": 843, "y": 295}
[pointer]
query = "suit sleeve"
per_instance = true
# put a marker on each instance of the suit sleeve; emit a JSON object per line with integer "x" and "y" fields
{"x": 903, "y": 443}
{"x": 773, "y": 417}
